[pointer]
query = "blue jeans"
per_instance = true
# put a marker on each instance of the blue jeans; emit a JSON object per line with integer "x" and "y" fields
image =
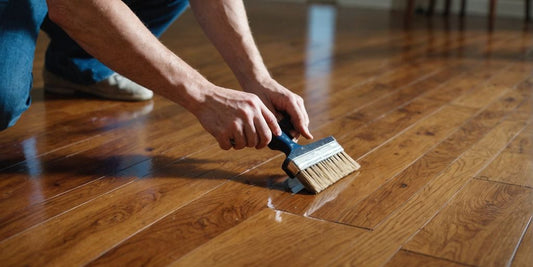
{"x": 20, "y": 23}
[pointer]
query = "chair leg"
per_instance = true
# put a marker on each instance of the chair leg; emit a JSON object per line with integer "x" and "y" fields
{"x": 409, "y": 10}
{"x": 447, "y": 5}
{"x": 492, "y": 13}
{"x": 463, "y": 7}
{"x": 431, "y": 7}
{"x": 528, "y": 6}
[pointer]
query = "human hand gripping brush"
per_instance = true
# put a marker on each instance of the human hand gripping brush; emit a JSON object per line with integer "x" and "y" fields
{"x": 317, "y": 165}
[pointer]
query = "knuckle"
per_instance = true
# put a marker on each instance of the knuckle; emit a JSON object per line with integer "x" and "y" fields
{"x": 293, "y": 97}
{"x": 225, "y": 133}
{"x": 235, "y": 125}
{"x": 267, "y": 140}
{"x": 253, "y": 100}
{"x": 244, "y": 113}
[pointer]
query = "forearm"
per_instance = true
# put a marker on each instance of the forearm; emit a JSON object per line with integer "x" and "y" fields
{"x": 226, "y": 25}
{"x": 110, "y": 31}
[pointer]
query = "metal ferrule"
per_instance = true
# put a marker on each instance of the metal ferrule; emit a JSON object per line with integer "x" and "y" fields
{"x": 329, "y": 148}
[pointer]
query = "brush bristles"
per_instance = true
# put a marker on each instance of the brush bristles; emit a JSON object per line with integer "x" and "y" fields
{"x": 325, "y": 173}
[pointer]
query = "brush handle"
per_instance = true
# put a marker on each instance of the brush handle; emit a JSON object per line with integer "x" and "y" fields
{"x": 284, "y": 142}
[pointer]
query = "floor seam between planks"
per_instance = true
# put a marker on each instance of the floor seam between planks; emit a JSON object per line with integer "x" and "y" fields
{"x": 435, "y": 257}
{"x": 323, "y": 220}
{"x": 511, "y": 260}
{"x": 502, "y": 182}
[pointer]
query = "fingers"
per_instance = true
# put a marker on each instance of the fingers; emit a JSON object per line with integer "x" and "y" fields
{"x": 239, "y": 120}
{"x": 224, "y": 143}
{"x": 271, "y": 120}
{"x": 250, "y": 132}
{"x": 263, "y": 133}
{"x": 299, "y": 117}
{"x": 239, "y": 137}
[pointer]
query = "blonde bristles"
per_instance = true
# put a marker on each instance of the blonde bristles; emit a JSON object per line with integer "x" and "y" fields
{"x": 325, "y": 173}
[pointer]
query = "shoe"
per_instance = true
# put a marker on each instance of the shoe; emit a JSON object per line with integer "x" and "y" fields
{"x": 116, "y": 87}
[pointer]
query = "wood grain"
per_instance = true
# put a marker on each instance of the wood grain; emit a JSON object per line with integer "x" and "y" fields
{"x": 515, "y": 164}
{"x": 272, "y": 238}
{"x": 481, "y": 226}
{"x": 190, "y": 226}
{"x": 408, "y": 258}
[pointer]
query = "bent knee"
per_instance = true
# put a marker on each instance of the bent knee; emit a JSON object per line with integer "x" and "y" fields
{"x": 12, "y": 105}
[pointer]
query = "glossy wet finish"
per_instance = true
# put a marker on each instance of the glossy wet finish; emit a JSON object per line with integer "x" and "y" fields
{"x": 438, "y": 115}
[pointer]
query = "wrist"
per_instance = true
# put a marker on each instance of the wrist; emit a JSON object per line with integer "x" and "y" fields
{"x": 192, "y": 92}
{"x": 250, "y": 72}
{"x": 255, "y": 80}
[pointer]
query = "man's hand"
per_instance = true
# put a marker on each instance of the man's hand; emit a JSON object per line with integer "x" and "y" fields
{"x": 237, "y": 119}
{"x": 281, "y": 100}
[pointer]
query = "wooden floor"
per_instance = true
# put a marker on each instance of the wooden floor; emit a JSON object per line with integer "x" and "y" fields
{"x": 438, "y": 114}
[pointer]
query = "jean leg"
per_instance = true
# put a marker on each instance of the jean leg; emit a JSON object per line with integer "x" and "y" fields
{"x": 66, "y": 58}
{"x": 3, "y": 4}
{"x": 157, "y": 15}
{"x": 19, "y": 26}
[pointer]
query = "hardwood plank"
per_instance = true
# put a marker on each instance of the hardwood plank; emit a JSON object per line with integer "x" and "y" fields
{"x": 523, "y": 144}
{"x": 511, "y": 168}
{"x": 385, "y": 240}
{"x": 495, "y": 87}
{"x": 381, "y": 203}
{"x": 408, "y": 258}
{"x": 272, "y": 238}
{"x": 523, "y": 256}
{"x": 481, "y": 226}
{"x": 515, "y": 164}
{"x": 190, "y": 226}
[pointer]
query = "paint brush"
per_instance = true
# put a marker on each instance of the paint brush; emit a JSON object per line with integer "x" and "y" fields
{"x": 317, "y": 165}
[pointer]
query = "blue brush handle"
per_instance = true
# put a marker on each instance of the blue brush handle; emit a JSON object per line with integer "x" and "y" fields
{"x": 284, "y": 142}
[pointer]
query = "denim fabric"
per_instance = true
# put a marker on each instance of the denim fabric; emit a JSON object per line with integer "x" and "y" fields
{"x": 20, "y": 22}
{"x": 19, "y": 26}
